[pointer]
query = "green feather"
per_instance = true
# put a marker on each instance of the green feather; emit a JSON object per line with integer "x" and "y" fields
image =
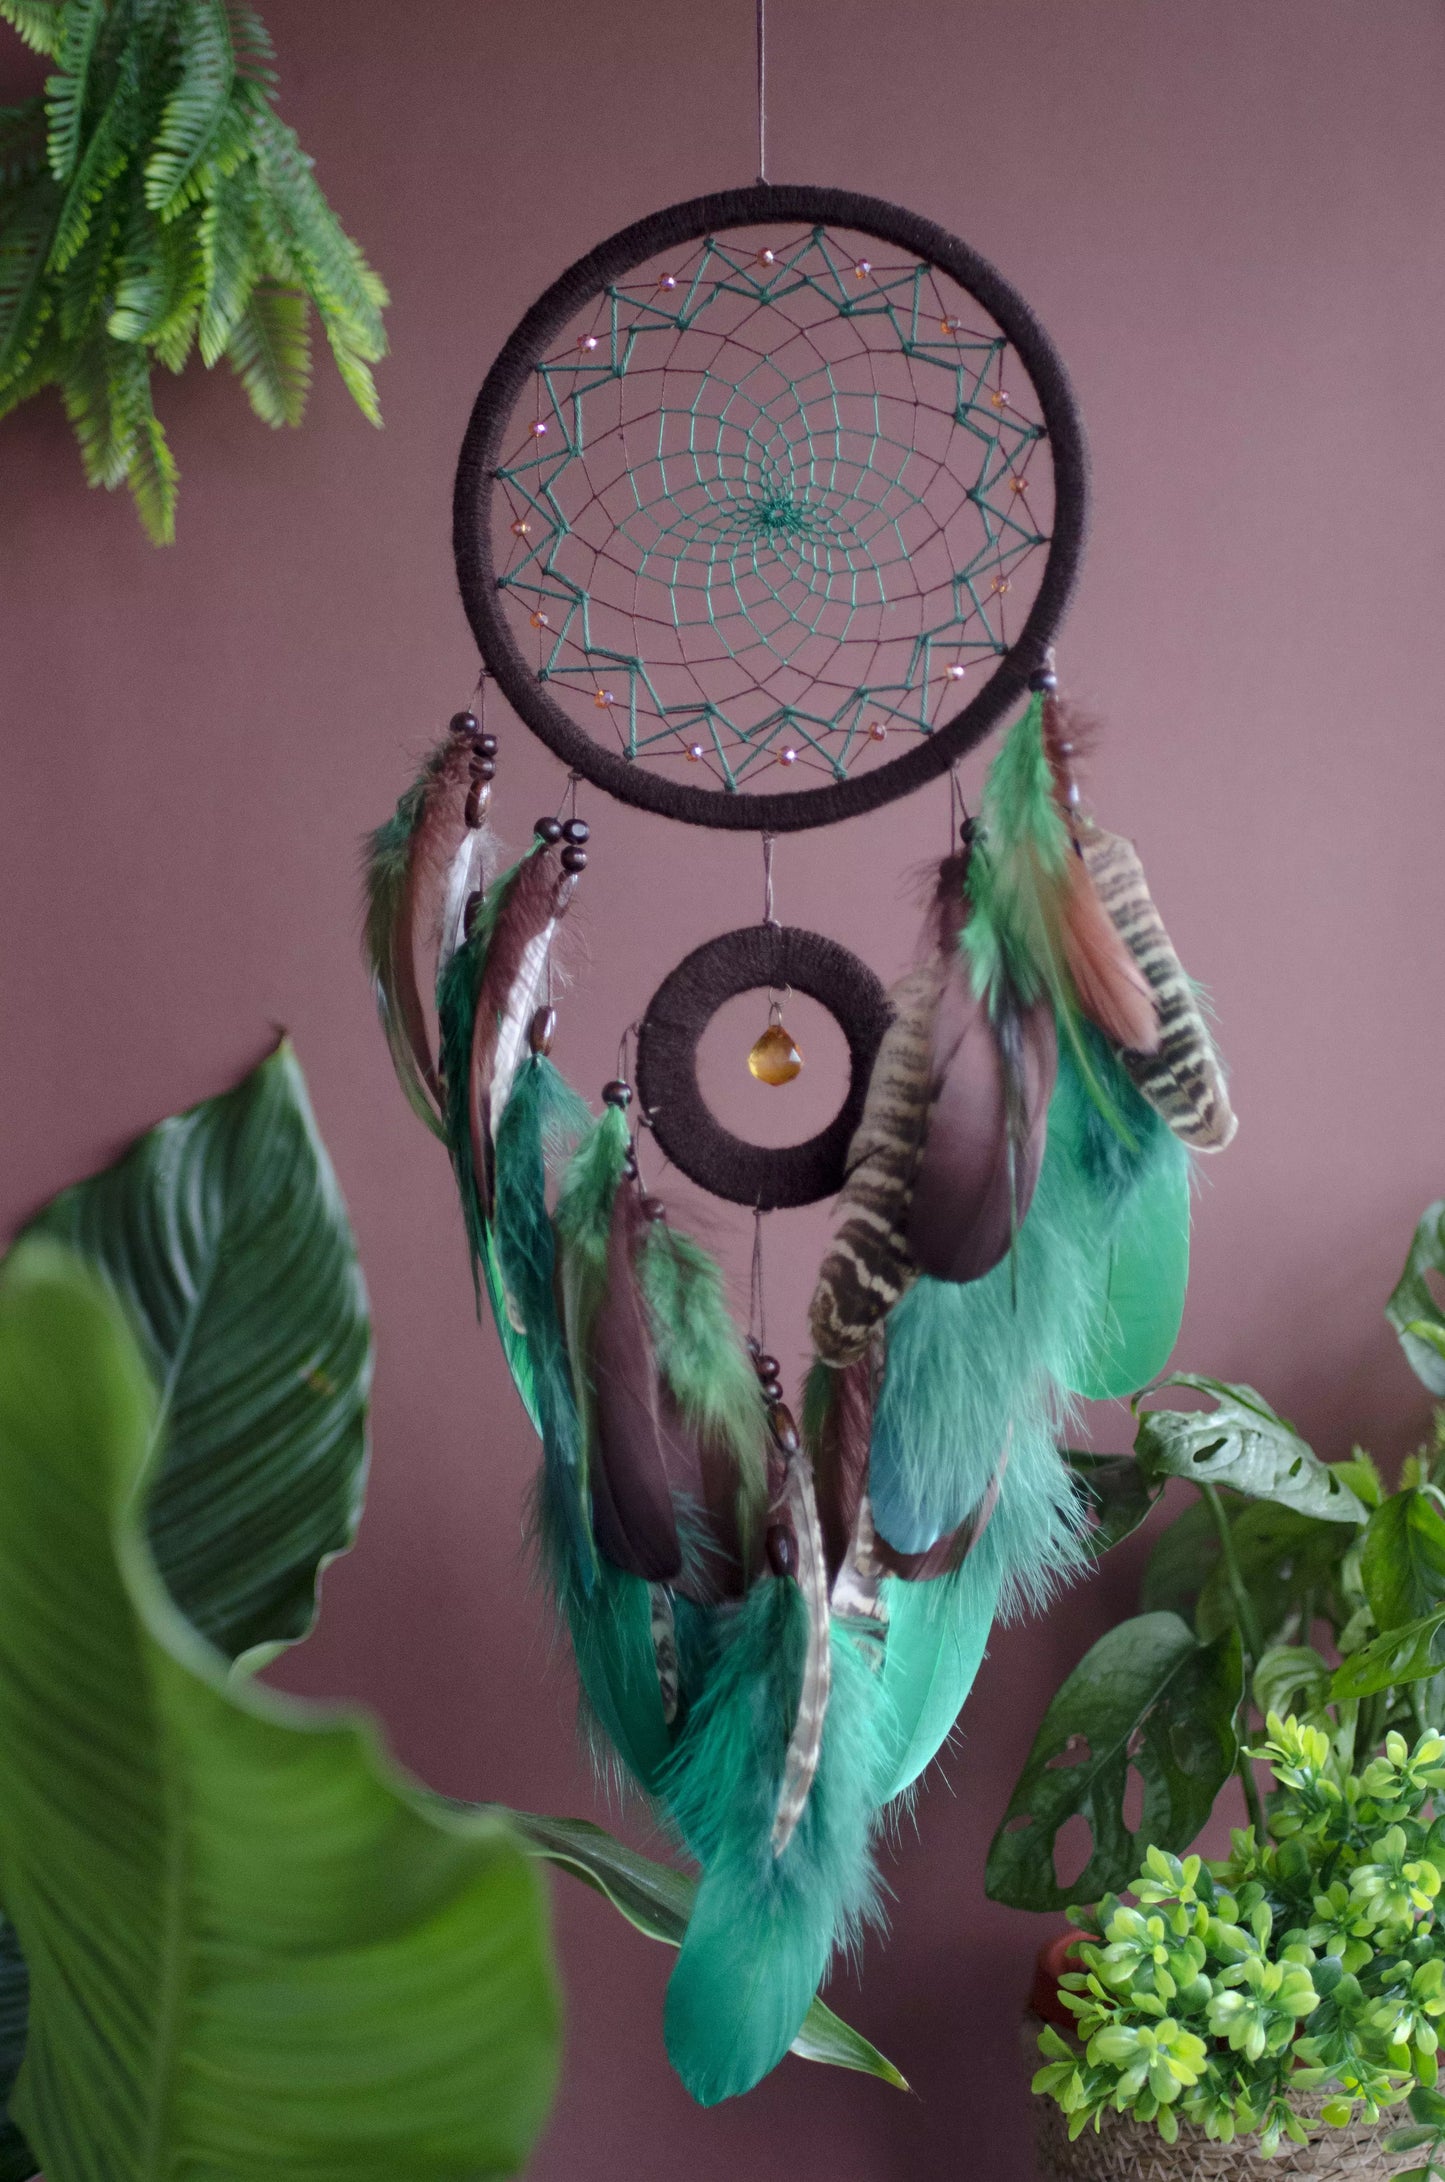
{"x": 1140, "y": 1301}
{"x": 763, "y": 1928}
{"x": 541, "y": 1111}
{"x": 936, "y": 1637}
{"x": 974, "y": 1367}
{"x": 1016, "y": 868}
{"x": 705, "y": 1366}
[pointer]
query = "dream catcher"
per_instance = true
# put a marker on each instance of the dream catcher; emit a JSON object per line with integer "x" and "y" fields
{"x": 768, "y": 511}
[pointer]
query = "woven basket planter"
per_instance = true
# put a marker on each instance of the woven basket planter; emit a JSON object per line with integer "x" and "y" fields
{"x": 1126, "y": 2150}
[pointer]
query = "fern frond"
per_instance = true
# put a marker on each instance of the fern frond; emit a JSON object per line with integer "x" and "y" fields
{"x": 355, "y": 376}
{"x": 270, "y": 347}
{"x": 106, "y": 392}
{"x": 251, "y": 44}
{"x": 196, "y": 106}
{"x": 228, "y": 261}
{"x": 41, "y": 368}
{"x": 331, "y": 265}
{"x": 22, "y": 145}
{"x": 41, "y": 23}
{"x": 65, "y": 91}
{"x": 24, "y": 248}
{"x": 153, "y": 477}
{"x": 105, "y": 160}
{"x": 178, "y": 247}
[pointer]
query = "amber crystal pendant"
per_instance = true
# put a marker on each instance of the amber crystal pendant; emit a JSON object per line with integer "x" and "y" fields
{"x": 774, "y": 1058}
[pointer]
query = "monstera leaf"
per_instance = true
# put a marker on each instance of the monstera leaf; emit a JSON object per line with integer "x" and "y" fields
{"x": 223, "y": 1235}
{"x": 1243, "y": 1444}
{"x": 255, "y": 1950}
{"x": 1148, "y": 1696}
{"x": 1402, "y": 1559}
{"x": 1412, "y": 1309}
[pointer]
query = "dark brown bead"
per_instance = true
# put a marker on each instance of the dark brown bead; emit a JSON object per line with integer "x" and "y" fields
{"x": 479, "y": 795}
{"x": 784, "y": 1431}
{"x": 577, "y": 831}
{"x": 574, "y": 861}
{"x": 469, "y": 914}
{"x": 483, "y": 768}
{"x": 617, "y": 1093}
{"x": 1045, "y": 680}
{"x": 653, "y": 1208}
{"x": 463, "y": 723}
{"x": 782, "y": 1550}
{"x": 629, "y": 1166}
{"x": 772, "y": 1390}
{"x": 541, "y": 1029}
{"x": 548, "y": 830}
{"x": 487, "y": 745}
{"x": 766, "y": 1367}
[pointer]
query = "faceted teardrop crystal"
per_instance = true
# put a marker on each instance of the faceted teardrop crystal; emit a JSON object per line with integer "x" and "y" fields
{"x": 774, "y": 1058}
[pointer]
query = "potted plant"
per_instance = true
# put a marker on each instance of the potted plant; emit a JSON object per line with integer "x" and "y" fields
{"x": 1286, "y": 1999}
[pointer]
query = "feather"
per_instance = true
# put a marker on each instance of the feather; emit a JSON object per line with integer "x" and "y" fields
{"x": 965, "y": 1365}
{"x": 1112, "y": 990}
{"x": 1140, "y": 1302}
{"x": 937, "y": 1634}
{"x": 1033, "y": 924}
{"x": 475, "y": 855}
{"x": 1183, "y": 1078}
{"x": 407, "y": 867}
{"x": 982, "y": 1154}
{"x": 805, "y": 1743}
{"x": 526, "y": 1258}
{"x": 509, "y": 948}
{"x": 763, "y": 1926}
{"x": 837, "y": 1422}
{"x": 633, "y": 1444}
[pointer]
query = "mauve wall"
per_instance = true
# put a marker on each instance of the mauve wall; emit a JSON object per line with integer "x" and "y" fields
{"x": 1230, "y": 217}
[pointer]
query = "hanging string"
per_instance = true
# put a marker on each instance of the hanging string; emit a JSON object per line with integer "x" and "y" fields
{"x": 757, "y": 1307}
{"x": 957, "y": 808}
{"x": 762, "y": 92}
{"x": 768, "y": 917}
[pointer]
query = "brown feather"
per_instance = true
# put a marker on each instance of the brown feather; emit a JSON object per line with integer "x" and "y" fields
{"x": 439, "y": 831}
{"x": 512, "y": 973}
{"x": 946, "y": 1555}
{"x": 840, "y": 1455}
{"x": 981, "y": 1157}
{"x": 631, "y": 1443}
{"x": 1112, "y": 990}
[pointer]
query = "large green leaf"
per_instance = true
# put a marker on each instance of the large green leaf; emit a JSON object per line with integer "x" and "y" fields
{"x": 223, "y": 1234}
{"x": 1402, "y": 1559}
{"x": 255, "y": 1950}
{"x": 658, "y": 1901}
{"x": 1182, "y": 1560}
{"x": 1243, "y": 1444}
{"x": 1412, "y": 1310}
{"x": 1283, "y": 1558}
{"x": 1148, "y": 1695}
{"x": 1406, "y": 1654}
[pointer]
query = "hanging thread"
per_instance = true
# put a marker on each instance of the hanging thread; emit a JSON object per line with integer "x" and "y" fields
{"x": 762, "y": 92}
{"x": 757, "y": 1308}
{"x": 768, "y": 917}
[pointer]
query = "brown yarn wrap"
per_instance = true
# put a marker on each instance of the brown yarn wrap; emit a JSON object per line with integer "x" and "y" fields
{"x": 1126, "y": 2150}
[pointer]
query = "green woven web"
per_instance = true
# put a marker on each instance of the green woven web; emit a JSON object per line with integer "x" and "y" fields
{"x": 775, "y": 503}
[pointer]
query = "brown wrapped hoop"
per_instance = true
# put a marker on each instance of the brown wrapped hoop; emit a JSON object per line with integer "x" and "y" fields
{"x": 679, "y": 1012}
{"x": 930, "y": 755}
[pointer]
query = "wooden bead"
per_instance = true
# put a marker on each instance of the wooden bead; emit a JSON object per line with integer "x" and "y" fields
{"x": 766, "y": 1367}
{"x": 574, "y": 861}
{"x": 548, "y": 830}
{"x": 784, "y": 1430}
{"x": 617, "y": 1093}
{"x": 653, "y": 1208}
{"x": 479, "y": 795}
{"x": 577, "y": 832}
{"x": 487, "y": 745}
{"x": 463, "y": 723}
{"x": 541, "y": 1029}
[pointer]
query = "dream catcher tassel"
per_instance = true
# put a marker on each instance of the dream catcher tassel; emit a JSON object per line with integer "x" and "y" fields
{"x": 421, "y": 867}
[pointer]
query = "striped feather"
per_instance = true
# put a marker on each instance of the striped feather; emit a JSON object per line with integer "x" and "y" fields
{"x": 1183, "y": 1079}
{"x": 805, "y": 1744}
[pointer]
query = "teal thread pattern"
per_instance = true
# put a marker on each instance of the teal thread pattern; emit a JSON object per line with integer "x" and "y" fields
{"x": 772, "y": 506}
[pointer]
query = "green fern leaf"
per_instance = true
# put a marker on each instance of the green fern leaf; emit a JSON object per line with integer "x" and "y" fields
{"x": 106, "y": 158}
{"x": 66, "y": 90}
{"x": 22, "y": 145}
{"x": 251, "y": 44}
{"x": 355, "y": 377}
{"x": 270, "y": 347}
{"x": 84, "y": 289}
{"x": 195, "y": 108}
{"x": 183, "y": 268}
{"x": 41, "y": 23}
{"x": 48, "y": 354}
{"x": 229, "y": 261}
{"x": 305, "y": 225}
{"x": 24, "y": 248}
{"x": 153, "y": 478}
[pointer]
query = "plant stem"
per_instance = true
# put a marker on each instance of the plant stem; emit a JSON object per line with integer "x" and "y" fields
{"x": 1253, "y": 1645}
{"x": 1243, "y": 1603}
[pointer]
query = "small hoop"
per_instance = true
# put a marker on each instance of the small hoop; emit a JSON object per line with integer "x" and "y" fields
{"x": 756, "y": 957}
